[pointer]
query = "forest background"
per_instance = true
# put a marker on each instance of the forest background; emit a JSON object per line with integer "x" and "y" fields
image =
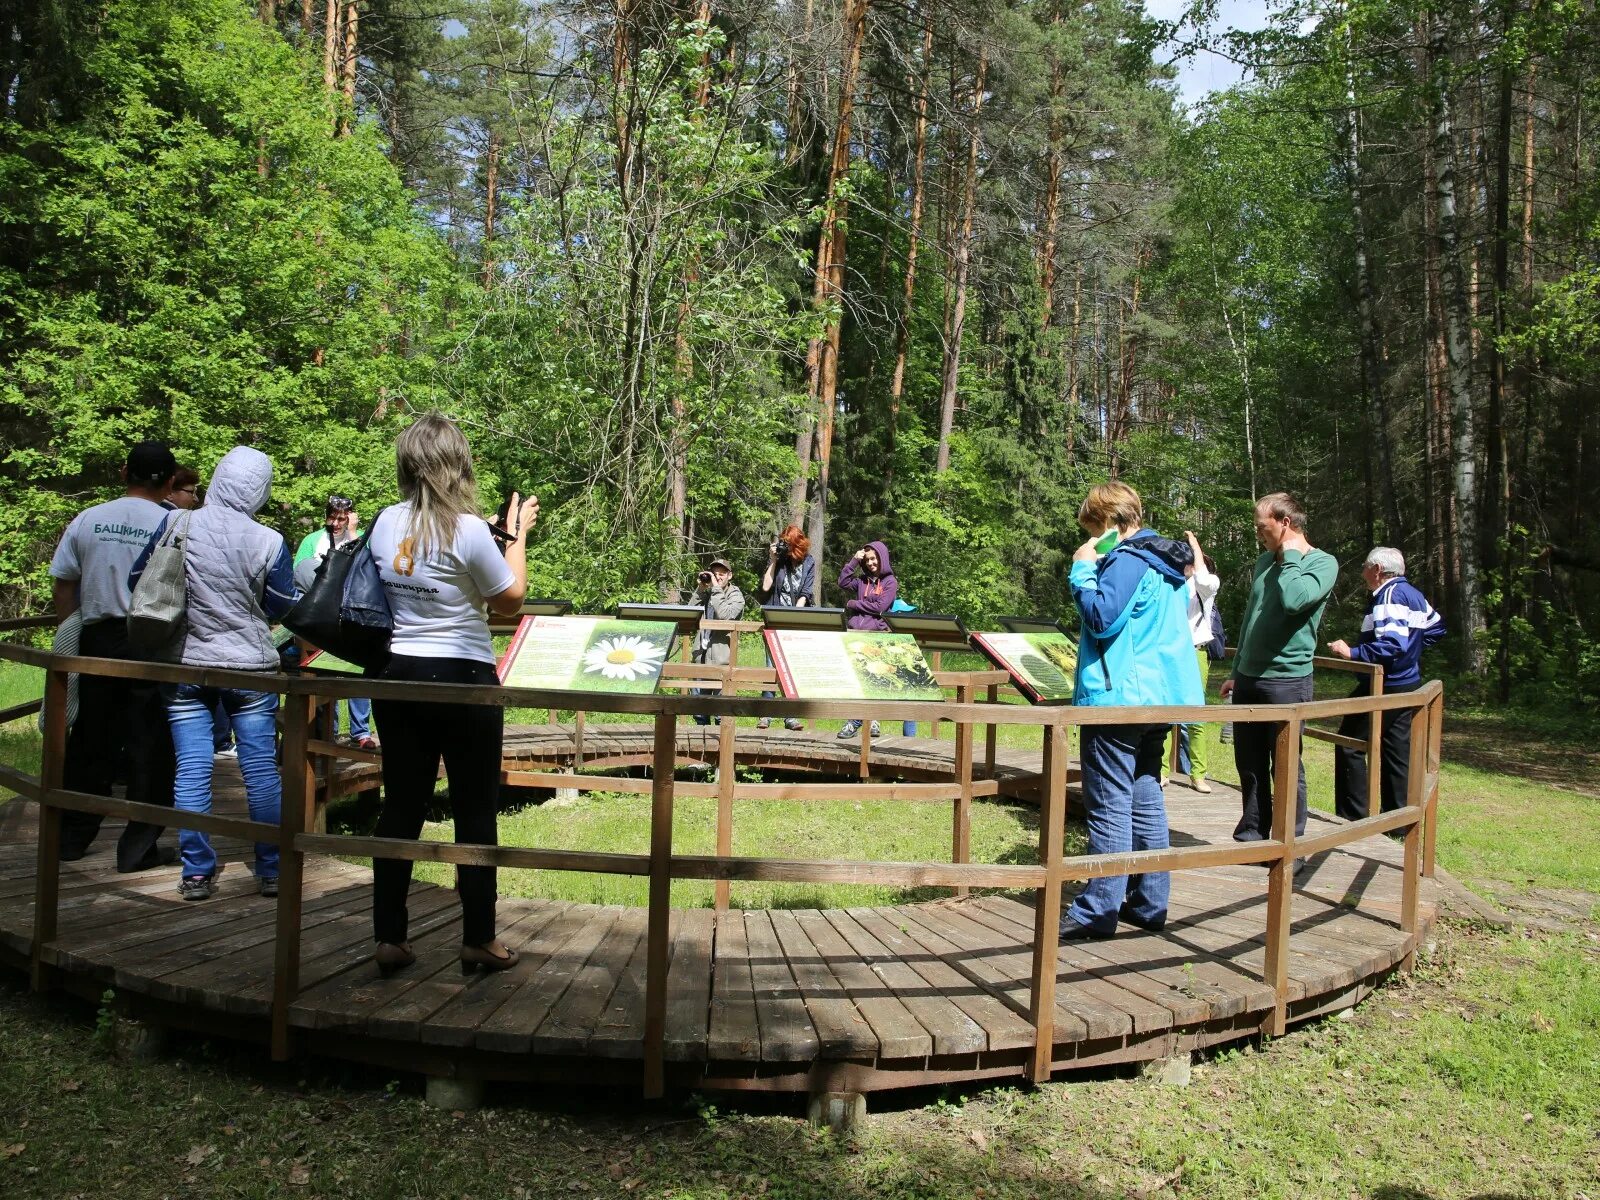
{"x": 920, "y": 271}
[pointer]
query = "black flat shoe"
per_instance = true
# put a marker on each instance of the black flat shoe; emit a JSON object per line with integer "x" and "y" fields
{"x": 1071, "y": 931}
{"x": 392, "y": 957}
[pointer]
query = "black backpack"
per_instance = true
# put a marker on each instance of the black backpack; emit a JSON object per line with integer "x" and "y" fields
{"x": 1217, "y": 647}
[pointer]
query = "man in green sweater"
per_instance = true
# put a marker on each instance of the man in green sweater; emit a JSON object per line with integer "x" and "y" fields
{"x": 1276, "y": 643}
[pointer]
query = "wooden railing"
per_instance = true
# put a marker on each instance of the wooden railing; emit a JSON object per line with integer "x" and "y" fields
{"x": 296, "y": 837}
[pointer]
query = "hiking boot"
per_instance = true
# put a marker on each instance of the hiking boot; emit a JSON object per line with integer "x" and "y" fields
{"x": 848, "y": 730}
{"x": 764, "y": 723}
{"x": 268, "y": 886}
{"x": 874, "y": 731}
{"x": 197, "y": 887}
{"x": 793, "y": 724}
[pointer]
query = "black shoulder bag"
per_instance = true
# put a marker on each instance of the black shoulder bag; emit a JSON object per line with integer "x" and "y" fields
{"x": 345, "y": 611}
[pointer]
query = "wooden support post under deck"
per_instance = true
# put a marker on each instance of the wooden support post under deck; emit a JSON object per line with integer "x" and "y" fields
{"x": 296, "y": 814}
{"x": 1375, "y": 745}
{"x": 961, "y": 812}
{"x": 577, "y": 737}
{"x": 1280, "y": 876}
{"x": 659, "y": 927}
{"x": 1047, "y": 913}
{"x": 727, "y": 777}
{"x": 47, "y": 878}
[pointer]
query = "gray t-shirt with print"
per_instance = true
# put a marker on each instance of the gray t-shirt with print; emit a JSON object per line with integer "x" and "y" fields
{"x": 98, "y": 550}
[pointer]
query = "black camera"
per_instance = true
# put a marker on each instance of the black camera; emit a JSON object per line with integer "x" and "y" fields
{"x": 704, "y": 576}
{"x": 780, "y": 547}
{"x": 500, "y": 527}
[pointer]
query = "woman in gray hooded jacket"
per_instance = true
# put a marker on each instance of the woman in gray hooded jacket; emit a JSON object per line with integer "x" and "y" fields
{"x": 239, "y": 576}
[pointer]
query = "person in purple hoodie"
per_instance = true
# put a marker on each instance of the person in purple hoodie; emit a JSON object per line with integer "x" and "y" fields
{"x": 869, "y": 581}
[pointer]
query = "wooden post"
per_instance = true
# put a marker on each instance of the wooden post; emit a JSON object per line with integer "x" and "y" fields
{"x": 864, "y": 765}
{"x": 1172, "y": 757}
{"x": 326, "y": 764}
{"x": 1375, "y": 747}
{"x": 1416, "y": 799}
{"x": 578, "y": 715}
{"x": 961, "y": 814}
{"x": 1047, "y": 913}
{"x": 936, "y": 664}
{"x": 1430, "y": 840}
{"x": 726, "y": 778}
{"x": 659, "y": 927}
{"x": 295, "y": 815}
{"x": 991, "y": 736}
{"x": 1280, "y": 877}
{"x": 47, "y": 872}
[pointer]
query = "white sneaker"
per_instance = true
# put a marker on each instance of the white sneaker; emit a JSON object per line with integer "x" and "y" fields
{"x": 230, "y": 752}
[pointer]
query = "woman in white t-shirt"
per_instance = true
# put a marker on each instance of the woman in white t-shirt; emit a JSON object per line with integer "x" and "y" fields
{"x": 440, "y": 567}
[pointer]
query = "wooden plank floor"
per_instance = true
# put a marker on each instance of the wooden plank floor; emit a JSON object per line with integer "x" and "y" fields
{"x": 921, "y": 990}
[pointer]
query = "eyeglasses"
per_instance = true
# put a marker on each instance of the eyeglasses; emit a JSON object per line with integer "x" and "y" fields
{"x": 191, "y": 490}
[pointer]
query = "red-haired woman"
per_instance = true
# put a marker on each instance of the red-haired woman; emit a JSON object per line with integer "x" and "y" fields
{"x": 789, "y": 582}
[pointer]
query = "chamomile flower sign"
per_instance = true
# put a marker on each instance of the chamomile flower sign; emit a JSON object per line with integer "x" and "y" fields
{"x": 587, "y": 654}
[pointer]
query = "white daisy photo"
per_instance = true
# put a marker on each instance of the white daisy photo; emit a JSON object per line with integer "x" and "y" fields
{"x": 623, "y": 657}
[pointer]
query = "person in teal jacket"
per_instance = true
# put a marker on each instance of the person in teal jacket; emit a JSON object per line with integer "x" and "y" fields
{"x": 1128, "y": 583}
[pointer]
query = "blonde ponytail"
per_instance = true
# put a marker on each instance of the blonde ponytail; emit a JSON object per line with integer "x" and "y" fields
{"x": 434, "y": 463}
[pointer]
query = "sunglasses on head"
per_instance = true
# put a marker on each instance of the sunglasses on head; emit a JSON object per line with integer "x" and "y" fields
{"x": 340, "y": 504}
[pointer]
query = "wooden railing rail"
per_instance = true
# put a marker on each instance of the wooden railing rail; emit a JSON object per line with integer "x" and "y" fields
{"x": 661, "y": 865}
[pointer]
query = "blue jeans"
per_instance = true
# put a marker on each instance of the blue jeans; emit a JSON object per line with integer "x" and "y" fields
{"x": 1125, "y": 810}
{"x": 359, "y": 722}
{"x": 255, "y": 730}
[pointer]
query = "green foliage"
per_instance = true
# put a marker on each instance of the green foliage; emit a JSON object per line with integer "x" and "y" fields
{"x": 173, "y": 291}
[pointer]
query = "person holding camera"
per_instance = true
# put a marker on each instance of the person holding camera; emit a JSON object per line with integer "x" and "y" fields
{"x": 788, "y": 582}
{"x": 440, "y": 568}
{"x": 869, "y": 581}
{"x": 719, "y": 599}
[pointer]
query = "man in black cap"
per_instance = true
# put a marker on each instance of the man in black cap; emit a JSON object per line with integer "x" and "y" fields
{"x": 121, "y": 730}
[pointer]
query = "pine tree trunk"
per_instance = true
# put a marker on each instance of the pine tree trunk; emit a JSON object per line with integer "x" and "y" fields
{"x": 1071, "y": 416}
{"x": 961, "y": 269}
{"x": 794, "y": 114}
{"x": 919, "y": 158}
{"x": 1373, "y": 366}
{"x": 352, "y": 21}
{"x": 822, "y": 357}
{"x": 1052, "y": 185}
{"x": 1499, "y": 517}
{"x": 683, "y": 366}
{"x": 1458, "y": 359}
{"x": 330, "y": 46}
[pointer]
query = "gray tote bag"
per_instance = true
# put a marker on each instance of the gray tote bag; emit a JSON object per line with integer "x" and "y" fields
{"x": 156, "y": 615}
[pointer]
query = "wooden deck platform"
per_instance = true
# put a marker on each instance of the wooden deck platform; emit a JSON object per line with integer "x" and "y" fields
{"x": 845, "y": 999}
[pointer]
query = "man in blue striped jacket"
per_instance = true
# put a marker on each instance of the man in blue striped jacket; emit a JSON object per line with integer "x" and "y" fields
{"x": 1398, "y": 626}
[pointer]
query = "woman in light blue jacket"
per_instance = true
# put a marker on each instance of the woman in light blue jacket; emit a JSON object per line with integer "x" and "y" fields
{"x": 1129, "y": 586}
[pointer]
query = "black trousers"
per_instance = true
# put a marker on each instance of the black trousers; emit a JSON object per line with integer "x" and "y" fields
{"x": 415, "y": 737}
{"x": 1350, "y": 799}
{"x": 121, "y": 733}
{"x": 1253, "y": 746}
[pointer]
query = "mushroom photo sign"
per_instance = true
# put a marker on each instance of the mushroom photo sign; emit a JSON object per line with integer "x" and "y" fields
{"x": 587, "y": 654}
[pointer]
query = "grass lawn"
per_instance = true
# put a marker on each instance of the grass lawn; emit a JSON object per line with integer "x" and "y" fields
{"x": 1478, "y": 1076}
